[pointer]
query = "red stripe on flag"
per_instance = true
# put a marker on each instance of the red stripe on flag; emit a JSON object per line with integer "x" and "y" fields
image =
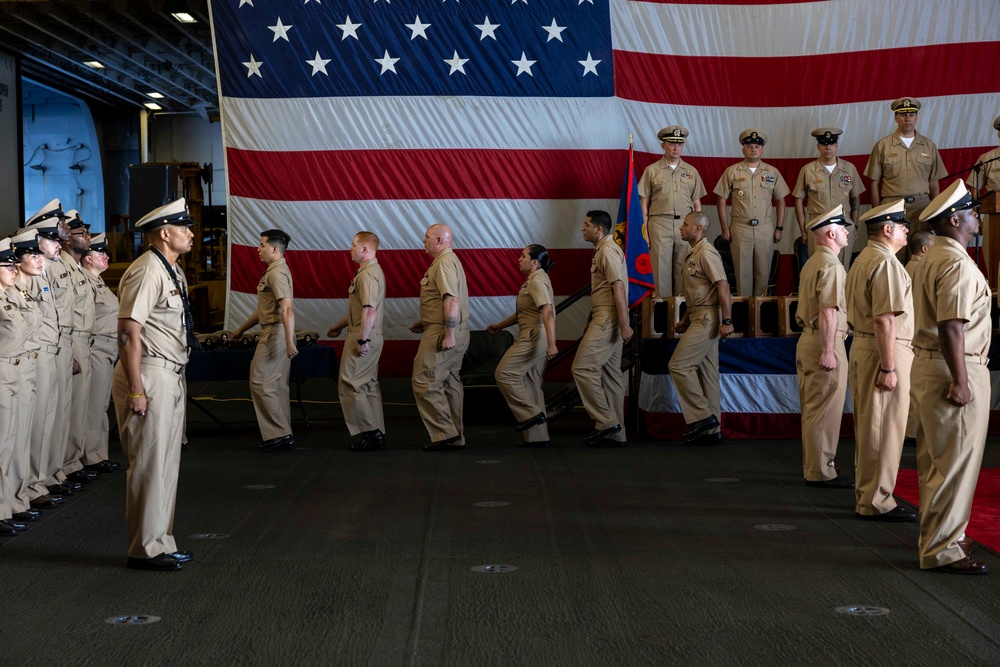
{"x": 595, "y": 174}
{"x": 835, "y": 78}
{"x": 431, "y": 174}
{"x": 326, "y": 274}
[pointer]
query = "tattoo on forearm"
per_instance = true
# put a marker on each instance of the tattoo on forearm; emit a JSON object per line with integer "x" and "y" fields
{"x": 451, "y": 323}
{"x": 123, "y": 340}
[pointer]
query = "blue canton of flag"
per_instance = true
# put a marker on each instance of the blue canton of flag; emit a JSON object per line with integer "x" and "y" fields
{"x": 630, "y": 233}
{"x": 307, "y": 48}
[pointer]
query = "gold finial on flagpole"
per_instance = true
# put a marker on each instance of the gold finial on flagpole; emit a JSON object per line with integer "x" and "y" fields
{"x": 630, "y": 140}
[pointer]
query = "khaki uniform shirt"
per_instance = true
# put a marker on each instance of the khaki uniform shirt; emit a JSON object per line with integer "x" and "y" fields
{"x": 274, "y": 285}
{"x": 445, "y": 276}
{"x": 13, "y": 330}
{"x": 949, "y": 286}
{"x": 911, "y": 266}
{"x": 534, "y": 293}
{"x": 989, "y": 175}
{"x": 671, "y": 191}
{"x": 878, "y": 284}
{"x": 821, "y": 285}
{"x": 702, "y": 269}
{"x": 905, "y": 171}
{"x": 367, "y": 289}
{"x": 607, "y": 266}
{"x": 31, "y": 313}
{"x": 147, "y": 295}
{"x": 752, "y": 193}
{"x": 105, "y": 306}
{"x": 824, "y": 190}
{"x": 83, "y": 295}
{"x": 61, "y": 281}
{"x": 41, "y": 293}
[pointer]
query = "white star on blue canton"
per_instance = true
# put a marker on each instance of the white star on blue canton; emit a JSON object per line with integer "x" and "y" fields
{"x": 555, "y": 32}
{"x": 280, "y": 31}
{"x": 320, "y": 2}
{"x": 350, "y": 29}
{"x": 245, "y": 2}
{"x": 318, "y": 64}
{"x": 487, "y": 29}
{"x": 457, "y": 64}
{"x": 388, "y": 63}
{"x": 589, "y": 65}
{"x": 524, "y": 65}
{"x": 253, "y": 67}
{"x": 418, "y": 29}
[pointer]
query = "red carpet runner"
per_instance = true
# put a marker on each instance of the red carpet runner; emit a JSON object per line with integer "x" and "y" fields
{"x": 984, "y": 525}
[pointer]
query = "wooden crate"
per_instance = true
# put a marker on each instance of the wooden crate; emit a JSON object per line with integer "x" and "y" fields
{"x": 660, "y": 316}
{"x": 763, "y": 316}
{"x": 741, "y": 317}
{"x": 787, "y": 306}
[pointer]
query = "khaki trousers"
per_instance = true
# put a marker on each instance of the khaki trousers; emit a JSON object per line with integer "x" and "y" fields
{"x": 879, "y": 425}
{"x": 519, "y": 378}
{"x": 597, "y": 371}
{"x": 667, "y": 251}
{"x": 18, "y": 473}
{"x": 694, "y": 366}
{"x": 269, "y": 374}
{"x": 821, "y": 395}
{"x": 152, "y": 446}
{"x": 358, "y": 387}
{"x": 752, "y": 249}
{"x": 64, "y": 365}
{"x": 42, "y": 463}
{"x": 102, "y": 365}
{"x": 9, "y": 382}
{"x": 437, "y": 387}
{"x": 76, "y": 446}
{"x": 950, "y": 443}
{"x": 912, "y": 212}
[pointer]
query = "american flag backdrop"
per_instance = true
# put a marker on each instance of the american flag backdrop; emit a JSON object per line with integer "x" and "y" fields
{"x": 509, "y": 119}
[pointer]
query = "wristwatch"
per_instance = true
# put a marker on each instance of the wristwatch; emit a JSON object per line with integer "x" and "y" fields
{"x": 728, "y": 322}
{"x": 780, "y": 229}
{"x": 364, "y": 341}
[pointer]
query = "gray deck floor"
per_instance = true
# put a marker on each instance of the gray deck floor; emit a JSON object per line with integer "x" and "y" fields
{"x": 623, "y": 557}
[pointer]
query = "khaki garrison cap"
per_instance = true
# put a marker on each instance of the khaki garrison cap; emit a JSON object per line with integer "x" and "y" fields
{"x": 955, "y": 198}
{"x": 835, "y": 216}
{"x": 675, "y": 134}
{"x": 894, "y": 211}
{"x": 906, "y": 105}
{"x": 174, "y": 213}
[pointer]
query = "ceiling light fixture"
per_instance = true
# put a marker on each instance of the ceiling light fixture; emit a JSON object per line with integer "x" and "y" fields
{"x": 152, "y": 106}
{"x": 94, "y": 64}
{"x": 184, "y": 17}
{"x": 155, "y": 95}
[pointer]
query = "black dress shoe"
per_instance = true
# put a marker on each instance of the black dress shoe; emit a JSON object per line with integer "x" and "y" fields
{"x": 114, "y": 465}
{"x": 45, "y": 502}
{"x": 370, "y": 441}
{"x": 540, "y": 418}
{"x": 82, "y": 476}
{"x": 445, "y": 445}
{"x": 7, "y": 531}
{"x": 534, "y": 444}
{"x": 61, "y": 489}
{"x": 15, "y": 525}
{"x": 909, "y": 442}
{"x": 964, "y": 566}
{"x": 697, "y": 428}
{"x": 29, "y": 515}
{"x": 707, "y": 439}
{"x": 601, "y": 433}
{"x": 103, "y": 466}
{"x": 284, "y": 443}
{"x": 160, "y": 563}
{"x": 837, "y": 482}
{"x": 897, "y": 514}
{"x": 182, "y": 556}
{"x": 966, "y": 545}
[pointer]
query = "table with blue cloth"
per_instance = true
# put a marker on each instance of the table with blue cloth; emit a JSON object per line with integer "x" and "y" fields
{"x": 226, "y": 364}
